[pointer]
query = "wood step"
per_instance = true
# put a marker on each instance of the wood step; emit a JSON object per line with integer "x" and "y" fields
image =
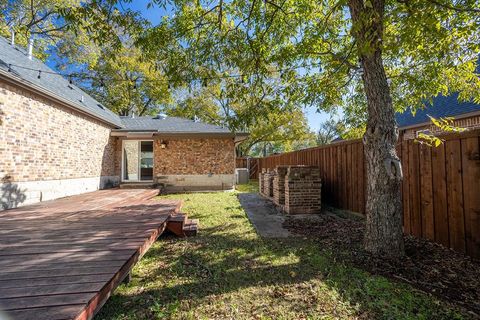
{"x": 181, "y": 226}
{"x": 152, "y": 194}
{"x": 179, "y": 217}
{"x": 191, "y": 227}
{"x": 138, "y": 185}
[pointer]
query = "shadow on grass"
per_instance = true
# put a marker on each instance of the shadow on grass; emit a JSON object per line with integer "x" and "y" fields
{"x": 294, "y": 274}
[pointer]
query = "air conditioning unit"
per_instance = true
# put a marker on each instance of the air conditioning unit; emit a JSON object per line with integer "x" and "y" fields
{"x": 241, "y": 176}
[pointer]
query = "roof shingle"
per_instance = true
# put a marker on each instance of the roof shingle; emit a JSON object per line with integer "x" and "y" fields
{"x": 169, "y": 125}
{"x": 15, "y": 56}
{"x": 443, "y": 106}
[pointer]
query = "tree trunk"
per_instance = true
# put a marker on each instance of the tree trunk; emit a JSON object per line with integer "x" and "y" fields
{"x": 384, "y": 235}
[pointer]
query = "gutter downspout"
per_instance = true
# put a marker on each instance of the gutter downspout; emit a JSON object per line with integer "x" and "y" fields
{"x": 30, "y": 48}
{"x": 12, "y": 37}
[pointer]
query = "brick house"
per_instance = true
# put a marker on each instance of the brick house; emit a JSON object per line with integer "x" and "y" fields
{"x": 56, "y": 141}
{"x": 465, "y": 115}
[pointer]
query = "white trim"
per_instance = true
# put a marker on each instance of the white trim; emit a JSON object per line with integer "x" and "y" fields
{"x": 138, "y": 155}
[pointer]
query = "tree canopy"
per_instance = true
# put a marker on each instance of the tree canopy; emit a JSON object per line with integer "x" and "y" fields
{"x": 109, "y": 51}
{"x": 429, "y": 48}
{"x": 371, "y": 57}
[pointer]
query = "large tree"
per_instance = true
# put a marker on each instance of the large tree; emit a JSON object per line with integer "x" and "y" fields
{"x": 372, "y": 57}
{"x": 94, "y": 43}
{"x": 328, "y": 131}
{"x": 125, "y": 82}
{"x": 36, "y": 20}
{"x": 233, "y": 106}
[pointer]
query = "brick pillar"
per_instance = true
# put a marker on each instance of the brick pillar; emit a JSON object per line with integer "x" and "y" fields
{"x": 261, "y": 184}
{"x": 268, "y": 184}
{"x": 302, "y": 190}
{"x": 279, "y": 185}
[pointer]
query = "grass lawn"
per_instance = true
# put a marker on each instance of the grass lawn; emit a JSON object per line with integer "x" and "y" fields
{"x": 228, "y": 272}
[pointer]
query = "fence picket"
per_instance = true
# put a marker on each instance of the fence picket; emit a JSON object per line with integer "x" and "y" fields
{"x": 439, "y": 191}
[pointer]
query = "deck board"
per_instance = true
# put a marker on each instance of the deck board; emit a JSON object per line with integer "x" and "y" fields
{"x": 54, "y": 280}
{"x": 62, "y": 259}
{"x": 48, "y": 313}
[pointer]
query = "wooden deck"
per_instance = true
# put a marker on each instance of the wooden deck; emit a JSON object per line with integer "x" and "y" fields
{"x": 62, "y": 259}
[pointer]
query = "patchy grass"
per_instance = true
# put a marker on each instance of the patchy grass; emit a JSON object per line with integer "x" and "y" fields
{"x": 228, "y": 272}
{"x": 252, "y": 186}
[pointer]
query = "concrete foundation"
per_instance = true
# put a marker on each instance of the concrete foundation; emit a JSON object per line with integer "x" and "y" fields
{"x": 14, "y": 194}
{"x": 199, "y": 182}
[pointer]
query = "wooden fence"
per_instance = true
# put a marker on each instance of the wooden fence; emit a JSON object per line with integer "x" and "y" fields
{"x": 441, "y": 186}
{"x": 250, "y": 163}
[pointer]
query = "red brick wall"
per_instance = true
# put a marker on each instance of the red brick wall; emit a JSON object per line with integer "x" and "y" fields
{"x": 267, "y": 187}
{"x": 303, "y": 190}
{"x": 261, "y": 183}
{"x": 279, "y": 185}
{"x": 41, "y": 140}
{"x": 194, "y": 156}
{"x": 296, "y": 189}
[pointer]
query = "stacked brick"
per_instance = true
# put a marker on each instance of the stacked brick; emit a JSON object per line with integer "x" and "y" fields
{"x": 268, "y": 184}
{"x": 279, "y": 185}
{"x": 302, "y": 190}
{"x": 297, "y": 189}
{"x": 261, "y": 184}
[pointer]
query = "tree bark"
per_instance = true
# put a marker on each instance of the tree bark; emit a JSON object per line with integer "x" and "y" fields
{"x": 384, "y": 235}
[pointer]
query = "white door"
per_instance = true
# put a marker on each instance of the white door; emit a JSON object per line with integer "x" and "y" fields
{"x": 137, "y": 160}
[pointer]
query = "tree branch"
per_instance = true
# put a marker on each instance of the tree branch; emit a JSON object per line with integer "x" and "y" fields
{"x": 450, "y": 7}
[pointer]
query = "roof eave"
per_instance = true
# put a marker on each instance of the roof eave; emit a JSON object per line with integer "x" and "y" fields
{"x": 426, "y": 123}
{"x": 5, "y": 75}
{"x": 183, "y": 134}
{"x": 241, "y": 136}
{"x": 123, "y": 131}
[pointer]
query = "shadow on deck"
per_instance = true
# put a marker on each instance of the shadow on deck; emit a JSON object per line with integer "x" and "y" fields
{"x": 62, "y": 259}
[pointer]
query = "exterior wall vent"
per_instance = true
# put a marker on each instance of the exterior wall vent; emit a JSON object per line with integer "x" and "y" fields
{"x": 160, "y": 116}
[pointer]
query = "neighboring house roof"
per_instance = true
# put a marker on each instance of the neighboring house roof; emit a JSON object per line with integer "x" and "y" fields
{"x": 443, "y": 106}
{"x": 55, "y": 84}
{"x": 171, "y": 125}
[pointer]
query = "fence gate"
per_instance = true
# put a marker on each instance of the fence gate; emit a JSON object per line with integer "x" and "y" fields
{"x": 251, "y": 164}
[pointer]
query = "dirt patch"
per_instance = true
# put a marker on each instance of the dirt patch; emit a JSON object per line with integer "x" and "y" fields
{"x": 427, "y": 266}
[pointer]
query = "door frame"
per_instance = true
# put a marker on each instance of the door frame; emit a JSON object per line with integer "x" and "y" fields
{"x": 138, "y": 158}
